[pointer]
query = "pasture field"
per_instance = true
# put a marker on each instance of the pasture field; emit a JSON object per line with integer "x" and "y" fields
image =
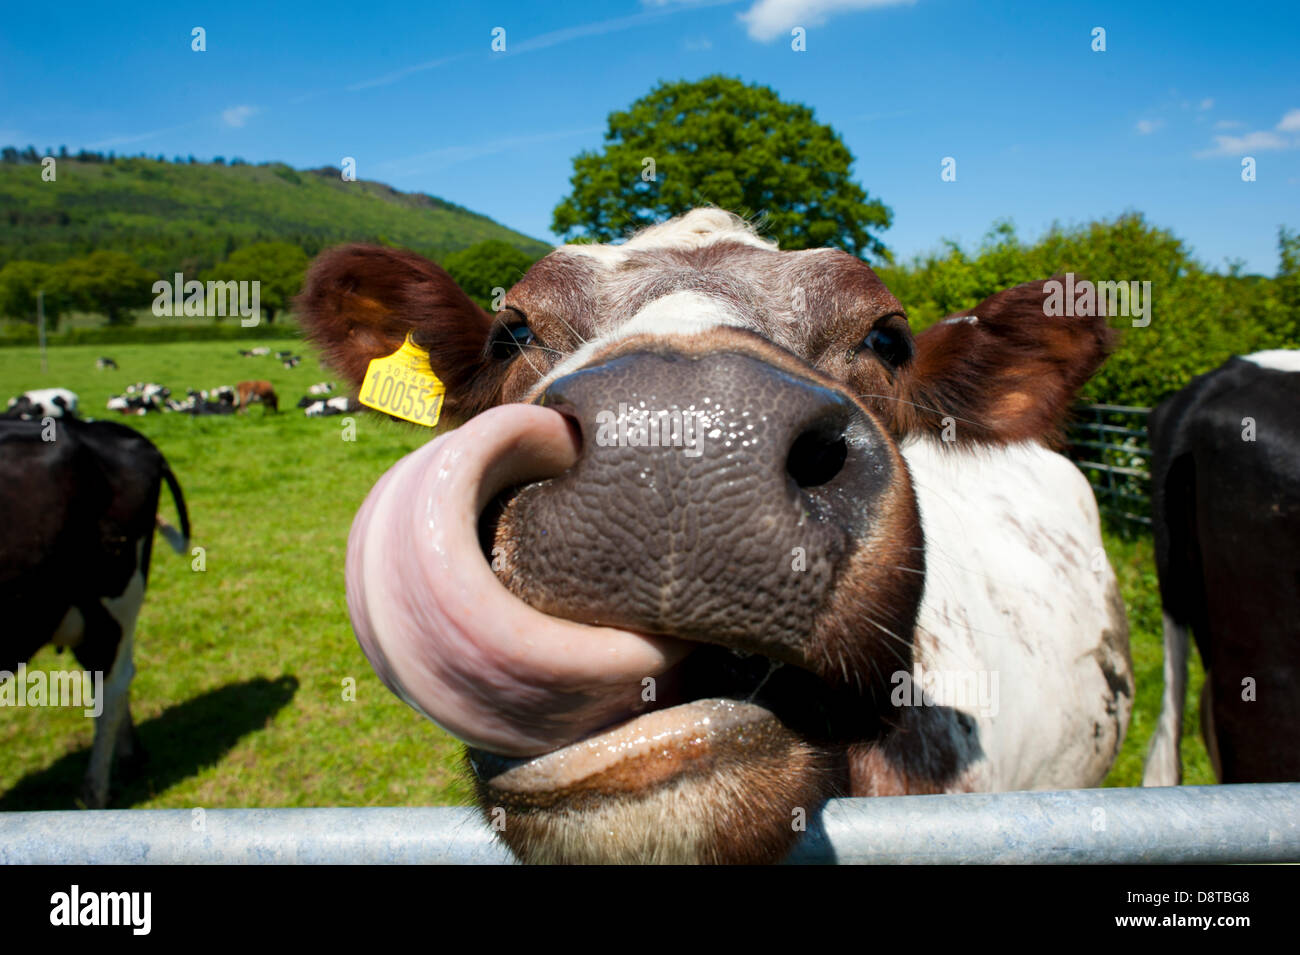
{"x": 241, "y": 668}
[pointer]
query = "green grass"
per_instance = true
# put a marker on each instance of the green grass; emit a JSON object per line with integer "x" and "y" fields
{"x": 240, "y": 668}
{"x": 239, "y": 688}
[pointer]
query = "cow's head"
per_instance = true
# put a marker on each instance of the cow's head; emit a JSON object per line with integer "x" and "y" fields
{"x": 658, "y": 580}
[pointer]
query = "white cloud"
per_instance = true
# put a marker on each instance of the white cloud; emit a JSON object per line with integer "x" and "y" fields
{"x": 768, "y": 19}
{"x": 237, "y": 116}
{"x": 1290, "y": 123}
{"x": 1229, "y": 124}
{"x": 1251, "y": 142}
{"x": 1206, "y": 103}
{"x": 1148, "y": 126}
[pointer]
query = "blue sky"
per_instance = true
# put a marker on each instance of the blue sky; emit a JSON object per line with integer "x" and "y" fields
{"x": 1042, "y": 127}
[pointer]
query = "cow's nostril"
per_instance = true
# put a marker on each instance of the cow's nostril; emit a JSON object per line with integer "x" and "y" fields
{"x": 816, "y": 457}
{"x": 571, "y": 415}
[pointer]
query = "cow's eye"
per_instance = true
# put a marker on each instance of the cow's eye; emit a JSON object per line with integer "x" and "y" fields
{"x": 510, "y": 339}
{"x": 891, "y": 344}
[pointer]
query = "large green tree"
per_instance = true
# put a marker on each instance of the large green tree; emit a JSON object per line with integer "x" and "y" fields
{"x": 109, "y": 282}
{"x": 278, "y": 266}
{"x": 487, "y": 265}
{"x": 721, "y": 142}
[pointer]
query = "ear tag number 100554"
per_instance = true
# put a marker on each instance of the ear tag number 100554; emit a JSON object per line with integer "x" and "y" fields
{"x": 403, "y": 385}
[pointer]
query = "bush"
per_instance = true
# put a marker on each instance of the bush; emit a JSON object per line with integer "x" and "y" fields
{"x": 1198, "y": 318}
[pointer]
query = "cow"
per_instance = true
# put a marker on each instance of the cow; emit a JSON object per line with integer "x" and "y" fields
{"x": 79, "y": 504}
{"x": 327, "y": 407}
{"x": 258, "y": 352}
{"x": 293, "y": 362}
{"x": 43, "y": 403}
{"x": 718, "y": 539}
{"x": 259, "y": 392}
{"x": 321, "y": 388}
{"x": 103, "y": 363}
{"x": 1225, "y": 501}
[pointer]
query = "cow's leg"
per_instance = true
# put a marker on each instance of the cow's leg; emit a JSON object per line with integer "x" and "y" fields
{"x": 1207, "y": 727}
{"x": 1163, "y": 766}
{"x": 114, "y": 717}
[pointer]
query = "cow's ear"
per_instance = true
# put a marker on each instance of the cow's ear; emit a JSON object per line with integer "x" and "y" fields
{"x": 1006, "y": 370}
{"x": 359, "y": 302}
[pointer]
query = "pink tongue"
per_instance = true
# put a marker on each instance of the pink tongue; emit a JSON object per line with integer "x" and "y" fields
{"x": 441, "y": 630}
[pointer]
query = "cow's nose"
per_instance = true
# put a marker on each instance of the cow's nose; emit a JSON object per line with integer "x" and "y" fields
{"x": 714, "y": 498}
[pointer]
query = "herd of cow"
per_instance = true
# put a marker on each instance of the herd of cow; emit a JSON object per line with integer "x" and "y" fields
{"x": 145, "y": 397}
{"x": 654, "y": 655}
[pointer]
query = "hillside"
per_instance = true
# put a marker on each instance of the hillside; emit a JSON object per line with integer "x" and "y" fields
{"x": 181, "y": 216}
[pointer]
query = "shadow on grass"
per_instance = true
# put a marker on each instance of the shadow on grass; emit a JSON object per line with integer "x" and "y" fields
{"x": 178, "y": 743}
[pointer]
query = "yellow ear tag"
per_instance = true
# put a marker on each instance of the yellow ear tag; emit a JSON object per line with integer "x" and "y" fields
{"x": 403, "y": 385}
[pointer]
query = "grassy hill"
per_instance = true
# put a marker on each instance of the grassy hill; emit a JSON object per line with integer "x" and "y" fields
{"x": 180, "y": 216}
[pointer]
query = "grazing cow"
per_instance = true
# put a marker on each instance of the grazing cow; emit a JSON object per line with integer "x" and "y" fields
{"x": 321, "y": 388}
{"x": 79, "y": 503}
{"x": 754, "y": 544}
{"x": 102, "y": 363}
{"x": 260, "y": 392}
{"x": 292, "y": 362}
{"x": 43, "y": 403}
{"x": 1225, "y": 499}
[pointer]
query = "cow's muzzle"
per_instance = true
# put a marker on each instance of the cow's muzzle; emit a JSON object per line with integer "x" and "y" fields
{"x": 715, "y": 498}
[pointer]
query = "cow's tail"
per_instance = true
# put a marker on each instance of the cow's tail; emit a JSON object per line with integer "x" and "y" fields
{"x": 1163, "y": 767}
{"x": 1178, "y": 562}
{"x": 180, "y": 540}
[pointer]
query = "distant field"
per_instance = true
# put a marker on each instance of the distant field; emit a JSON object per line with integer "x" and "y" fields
{"x": 240, "y": 669}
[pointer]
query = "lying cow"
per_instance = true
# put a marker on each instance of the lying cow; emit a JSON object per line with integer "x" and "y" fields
{"x": 844, "y": 563}
{"x": 256, "y": 392}
{"x": 1225, "y": 499}
{"x": 79, "y": 503}
{"x": 43, "y": 403}
{"x": 327, "y": 407}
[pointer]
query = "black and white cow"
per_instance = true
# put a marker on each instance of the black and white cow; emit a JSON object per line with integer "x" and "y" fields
{"x": 78, "y": 504}
{"x": 105, "y": 363}
{"x": 43, "y": 403}
{"x": 328, "y": 407}
{"x": 1225, "y": 495}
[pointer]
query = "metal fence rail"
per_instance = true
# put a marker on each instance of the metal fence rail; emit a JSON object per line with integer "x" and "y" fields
{"x": 1256, "y": 823}
{"x": 1110, "y": 445}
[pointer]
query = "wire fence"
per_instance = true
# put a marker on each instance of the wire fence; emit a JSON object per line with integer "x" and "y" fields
{"x": 1109, "y": 443}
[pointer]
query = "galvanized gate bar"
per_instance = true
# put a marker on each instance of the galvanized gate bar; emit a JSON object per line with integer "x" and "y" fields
{"x": 1256, "y": 823}
{"x": 1177, "y": 824}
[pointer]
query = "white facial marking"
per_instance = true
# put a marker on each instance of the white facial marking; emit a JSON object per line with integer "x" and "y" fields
{"x": 677, "y": 314}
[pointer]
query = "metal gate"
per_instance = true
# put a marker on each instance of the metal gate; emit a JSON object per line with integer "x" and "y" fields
{"x": 1109, "y": 443}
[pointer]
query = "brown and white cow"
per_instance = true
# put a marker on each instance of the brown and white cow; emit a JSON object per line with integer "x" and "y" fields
{"x": 257, "y": 392}
{"x": 720, "y": 539}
